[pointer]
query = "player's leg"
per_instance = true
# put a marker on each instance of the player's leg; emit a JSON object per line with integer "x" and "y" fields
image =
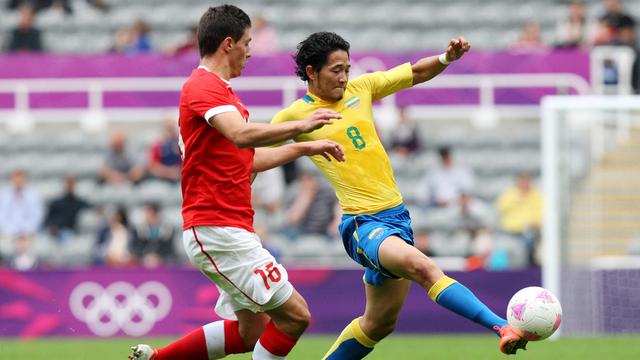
{"x": 212, "y": 341}
{"x": 248, "y": 278}
{"x": 404, "y": 260}
{"x": 383, "y": 306}
{"x": 288, "y": 322}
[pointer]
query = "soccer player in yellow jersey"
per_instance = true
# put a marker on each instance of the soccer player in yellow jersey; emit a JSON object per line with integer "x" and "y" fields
{"x": 376, "y": 227}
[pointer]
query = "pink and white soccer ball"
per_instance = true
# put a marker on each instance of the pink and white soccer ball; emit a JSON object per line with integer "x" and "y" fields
{"x": 535, "y": 311}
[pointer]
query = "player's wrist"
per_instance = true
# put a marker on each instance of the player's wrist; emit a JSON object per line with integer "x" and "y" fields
{"x": 442, "y": 58}
{"x": 307, "y": 148}
{"x": 301, "y": 127}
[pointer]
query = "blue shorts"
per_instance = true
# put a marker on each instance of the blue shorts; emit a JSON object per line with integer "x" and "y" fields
{"x": 363, "y": 234}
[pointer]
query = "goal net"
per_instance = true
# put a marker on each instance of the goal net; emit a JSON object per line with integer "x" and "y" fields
{"x": 591, "y": 178}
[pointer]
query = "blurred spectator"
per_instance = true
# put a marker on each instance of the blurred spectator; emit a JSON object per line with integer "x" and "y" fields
{"x": 443, "y": 185}
{"x": 62, "y": 213}
{"x": 422, "y": 242}
{"x": 572, "y": 31}
{"x": 56, "y": 5}
{"x": 290, "y": 170}
{"x": 21, "y": 212}
{"x": 99, "y": 4}
{"x": 314, "y": 209}
{"x": 25, "y": 37}
{"x": 153, "y": 243}
{"x": 119, "y": 166}
{"x": 267, "y": 190}
{"x": 190, "y": 45}
{"x": 471, "y": 220}
{"x": 520, "y": 209}
{"x": 165, "y": 161}
{"x": 485, "y": 254}
{"x": 24, "y": 258}
{"x": 39, "y": 5}
{"x": 133, "y": 40}
{"x": 530, "y": 39}
{"x": 469, "y": 216}
{"x": 615, "y": 27}
{"x": 264, "y": 39}
{"x": 115, "y": 240}
{"x": 405, "y": 138}
{"x": 21, "y": 207}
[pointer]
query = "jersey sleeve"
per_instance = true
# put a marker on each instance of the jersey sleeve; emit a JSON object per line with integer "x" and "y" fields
{"x": 384, "y": 83}
{"x": 210, "y": 100}
{"x": 280, "y": 117}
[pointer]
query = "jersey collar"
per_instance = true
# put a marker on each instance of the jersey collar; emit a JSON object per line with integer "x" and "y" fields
{"x": 207, "y": 69}
{"x": 311, "y": 98}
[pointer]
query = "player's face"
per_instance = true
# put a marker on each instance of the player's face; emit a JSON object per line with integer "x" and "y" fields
{"x": 240, "y": 53}
{"x": 333, "y": 77}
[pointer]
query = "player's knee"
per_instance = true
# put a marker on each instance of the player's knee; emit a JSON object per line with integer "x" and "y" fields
{"x": 422, "y": 269}
{"x": 296, "y": 322}
{"x": 302, "y": 319}
{"x": 381, "y": 328}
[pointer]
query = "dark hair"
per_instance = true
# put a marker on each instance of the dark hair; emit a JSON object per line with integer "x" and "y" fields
{"x": 121, "y": 211}
{"x": 153, "y": 206}
{"x": 315, "y": 51}
{"x": 444, "y": 151}
{"x": 218, "y": 23}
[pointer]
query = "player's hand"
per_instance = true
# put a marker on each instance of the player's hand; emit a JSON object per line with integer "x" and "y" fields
{"x": 456, "y": 48}
{"x": 326, "y": 148}
{"x": 319, "y": 119}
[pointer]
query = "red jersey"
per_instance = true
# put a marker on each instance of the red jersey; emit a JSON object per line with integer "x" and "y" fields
{"x": 216, "y": 183}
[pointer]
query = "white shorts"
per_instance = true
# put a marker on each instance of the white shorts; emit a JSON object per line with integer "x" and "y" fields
{"x": 246, "y": 274}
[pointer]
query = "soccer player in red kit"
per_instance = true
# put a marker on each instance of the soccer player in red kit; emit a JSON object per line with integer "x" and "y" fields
{"x": 264, "y": 313}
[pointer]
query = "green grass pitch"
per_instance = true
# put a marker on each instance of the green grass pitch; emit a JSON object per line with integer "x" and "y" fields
{"x": 396, "y": 347}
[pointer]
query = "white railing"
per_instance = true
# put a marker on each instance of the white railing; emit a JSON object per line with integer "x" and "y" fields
{"x": 23, "y": 115}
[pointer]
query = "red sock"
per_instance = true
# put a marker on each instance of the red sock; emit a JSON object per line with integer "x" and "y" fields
{"x": 192, "y": 346}
{"x": 275, "y": 341}
{"x": 233, "y": 343}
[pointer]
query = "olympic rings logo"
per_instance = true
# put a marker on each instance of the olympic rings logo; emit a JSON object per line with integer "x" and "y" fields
{"x": 120, "y": 306}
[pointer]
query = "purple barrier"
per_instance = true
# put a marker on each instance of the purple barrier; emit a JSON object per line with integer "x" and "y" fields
{"x": 169, "y": 302}
{"x": 155, "y": 65}
{"x": 17, "y": 66}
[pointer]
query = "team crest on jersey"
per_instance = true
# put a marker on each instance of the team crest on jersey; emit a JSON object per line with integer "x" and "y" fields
{"x": 376, "y": 233}
{"x": 352, "y": 102}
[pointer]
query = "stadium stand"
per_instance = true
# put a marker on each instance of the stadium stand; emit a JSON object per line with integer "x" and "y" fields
{"x": 90, "y": 30}
{"x": 496, "y": 154}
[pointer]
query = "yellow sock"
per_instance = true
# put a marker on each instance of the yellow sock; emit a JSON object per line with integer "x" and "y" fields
{"x": 439, "y": 286}
{"x": 352, "y": 343}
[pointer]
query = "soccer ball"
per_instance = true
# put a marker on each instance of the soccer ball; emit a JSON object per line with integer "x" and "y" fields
{"x": 535, "y": 311}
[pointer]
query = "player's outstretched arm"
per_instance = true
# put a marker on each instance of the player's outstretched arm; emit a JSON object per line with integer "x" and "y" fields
{"x": 427, "y": 68}
{"x": 268, "y": 158}
{"x": 245, "y": 135}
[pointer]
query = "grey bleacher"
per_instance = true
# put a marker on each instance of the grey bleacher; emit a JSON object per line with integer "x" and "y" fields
{"x": 496, "y": 155}
{"x": 368, "y": 25}
{"x": 49, "y": 155}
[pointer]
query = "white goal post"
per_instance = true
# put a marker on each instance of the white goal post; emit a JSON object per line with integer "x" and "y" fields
{"x": 588, "y": 276}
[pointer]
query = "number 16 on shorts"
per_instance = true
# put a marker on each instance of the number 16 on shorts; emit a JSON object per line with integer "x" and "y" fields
{"x": 269, "y": 274}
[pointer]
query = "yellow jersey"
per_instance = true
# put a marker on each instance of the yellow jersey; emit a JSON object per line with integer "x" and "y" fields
{"x": 364, "y": 183}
